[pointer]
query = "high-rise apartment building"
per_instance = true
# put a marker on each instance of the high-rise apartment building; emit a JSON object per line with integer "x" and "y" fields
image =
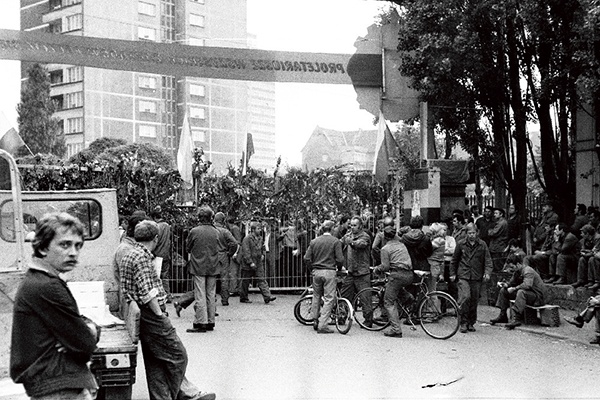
{"x": 142, "y": 107}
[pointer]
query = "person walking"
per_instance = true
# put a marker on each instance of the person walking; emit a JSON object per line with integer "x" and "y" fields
{"x": 253, "y": 264}
{"x": 324, "y": 256}
{"x": 163, "y": 249}
{"x": 51, "y": 343}
{"x": 471, "y": 264}
{"x": 203, "y": 244}
{"x": 165, "y": 356}
{"x": 227, "y": 248}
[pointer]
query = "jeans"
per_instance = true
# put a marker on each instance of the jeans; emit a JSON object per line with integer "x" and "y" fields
{"x": 394, "y": 292}
{"x": 353, "y": 285}
{"x": 205, "y": 292}
{"x": 468, "y": 297}
{"x": 324, "y": 285}
{"x": 259, "y": 274}
{"x": 165, "y": 356}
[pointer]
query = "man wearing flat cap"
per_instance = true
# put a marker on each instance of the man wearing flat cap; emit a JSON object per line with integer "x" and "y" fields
{"x": 324, "y": 256}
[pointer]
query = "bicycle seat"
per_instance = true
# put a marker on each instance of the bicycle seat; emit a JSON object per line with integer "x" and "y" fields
{"x": 420, "y": 273}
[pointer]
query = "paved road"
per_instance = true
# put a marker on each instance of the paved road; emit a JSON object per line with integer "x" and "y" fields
{"x": 259, "y": 351}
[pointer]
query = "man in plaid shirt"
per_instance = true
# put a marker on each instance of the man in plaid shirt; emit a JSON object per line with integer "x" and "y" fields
{"x": 165, "y": 356}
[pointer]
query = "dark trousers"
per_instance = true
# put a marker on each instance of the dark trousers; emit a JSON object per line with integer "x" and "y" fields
{"x": 259, "y": 278}
{"x": 521, "y": 297}
{"x": 468, "y": 297}
{"x": 351, "y": 286}
{"x": 165, "y": 276}
{"x": 165, "y": 356}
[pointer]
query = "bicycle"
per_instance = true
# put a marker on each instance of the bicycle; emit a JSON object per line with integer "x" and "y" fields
{"x": 341, "y": 312}
{"x": 436, "y": 312}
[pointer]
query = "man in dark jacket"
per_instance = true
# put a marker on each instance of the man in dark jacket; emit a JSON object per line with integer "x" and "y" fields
{"x": 418, "y": 244}
{"x": 163, "y": 249}
{"x": 51, "y": 342}
{"x": 253, "y": 265}
{"x": 227, "y": 248}
{"x": 498, "y": 239}
{"x": 525, "y": 287}
{"x": 324, "y": 256}
{"x": 567, "y": 246}
{"x": 357, "y": 247}
{"x": 203, "y": 244}
{"x": 471, "y": 264}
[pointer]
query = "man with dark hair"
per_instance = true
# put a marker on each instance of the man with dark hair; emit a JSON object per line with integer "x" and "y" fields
{"x": 357, "y": 245}
{"x": 418, "y": 244}
{"x": 380, "y": 240}
{"x": 51, "y": 342}
{"x": 525, "y": 287}
{"x": 498, "y": 239}
{"x": 581, "y": 219}
{"x": 475, "y": 213}
{"x": 163, "y": 249}
{"x": 227, "y": 248}
{"x": 342, "y": 228}
{"x": 324, "y": 256}
{"x": 203, "y": 244}
{"x": 234, "y": 265}
{"x": 395, "y": 260}
{"x": 165, "y": 357}
{"x": 545, "y": 226}
{"x": 564, "y": 256}
{"x": 471, "y": 264}
{"x": 459, "y": 231}
{"x": 253, "y": 264}
{"x": 485, "y": 223}
{"x": 514, "y": 223}
{"x": 589, "y": 239}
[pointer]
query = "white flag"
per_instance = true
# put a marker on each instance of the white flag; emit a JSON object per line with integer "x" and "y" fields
{"x": 185, "y": 154}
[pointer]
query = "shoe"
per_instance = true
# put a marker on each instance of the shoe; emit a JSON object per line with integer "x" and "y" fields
{"x": 178, "y": 308}
{"x": 197, "y": 328}
{"x": 578, "y": 284}
{"x": 368, "y": 324}
{"x": 500, "y": 319}
{"x": 225, "y": 303}
{"x": 471, "y": 328}
{"x": 270, "y": 299}
{"x": 595, "y": 286}
{"x": 577, "y": 321}
{"x": 560, "y": 281}
{"x": 316, "y": 324}
{"x": 392, "y": 334}
{"x": 512, "y": 324}
{"x": 204, "y": 396}
{"x": 596, "y": 340}
{"x": 210, "y": 326}
{"x": 245, "y": 301}
{"x": 464, "y": 329}
{"x": 324, "y": 330}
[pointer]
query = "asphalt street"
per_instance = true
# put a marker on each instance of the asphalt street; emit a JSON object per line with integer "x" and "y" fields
{"x": 260, "y": 351}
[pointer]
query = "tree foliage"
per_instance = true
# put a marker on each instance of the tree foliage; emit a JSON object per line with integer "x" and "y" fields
{"x": 489, "y": 67}
{"x": 38, "y": 128}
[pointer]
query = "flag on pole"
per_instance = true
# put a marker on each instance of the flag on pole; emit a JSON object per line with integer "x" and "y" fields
{"x": 247, "y": 153}
{"x": 385, "y": 148}
{"x": 9, "y": 138}
{"x": 185, "y": 154}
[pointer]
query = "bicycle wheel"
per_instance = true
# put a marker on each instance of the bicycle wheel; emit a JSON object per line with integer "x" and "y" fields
{"x": 303, "y": 310}
{"x": 438, "y": 315}
{"x": 380, "y": 319}
{"x": 343, "y": 316}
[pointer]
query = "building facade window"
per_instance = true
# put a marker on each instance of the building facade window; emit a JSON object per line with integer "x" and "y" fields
{"x": 146, "y": 8}
{"x": 197, "y": 20}
{"x": 73, "y": 125}
{"x": 73, "y": 148}
{"x": 72, "y": 23}
{"x": 147, "y": 106}
{"x": 146, "y": 33}
{"x": 147, "y": 82}
{"x": 197, "y": 90}
{"x": 74, "y": 74}
{"x": 147, "y": 131}
{"x": 198, "y": 135}
{"x": 197, "y": 112}
{"x": 73, "y": 100}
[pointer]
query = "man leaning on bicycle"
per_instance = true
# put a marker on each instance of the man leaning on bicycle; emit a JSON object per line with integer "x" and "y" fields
{"x": 395, "y": 260}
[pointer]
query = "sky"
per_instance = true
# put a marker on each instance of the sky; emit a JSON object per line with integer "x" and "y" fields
{"x": 316, "y": 26}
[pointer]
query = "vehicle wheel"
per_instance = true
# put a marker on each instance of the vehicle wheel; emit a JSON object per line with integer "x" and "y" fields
{"x": 303, "y": 310}
{"x": 437, "y": 323}
{"x": 343, "y": 316}
{"x": 380, "y": 319}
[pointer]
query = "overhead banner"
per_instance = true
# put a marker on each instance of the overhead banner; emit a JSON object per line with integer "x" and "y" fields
{"x": 200, "y": 61}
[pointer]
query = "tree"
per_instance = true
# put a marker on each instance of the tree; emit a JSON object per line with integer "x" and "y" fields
{"x": 489, "y": 67}
{"x": 38, "y": 128}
